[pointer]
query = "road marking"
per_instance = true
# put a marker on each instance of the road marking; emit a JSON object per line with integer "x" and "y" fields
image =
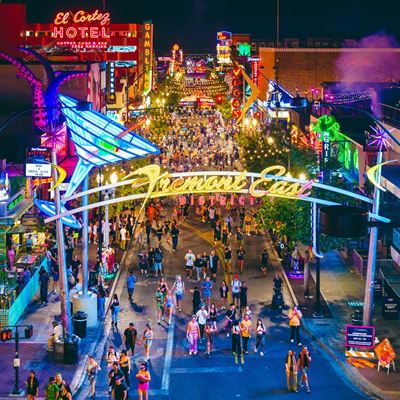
{"x": 168, "y": 357}
{"x": 210, "y": 370}
{"x": 365, "y": 354}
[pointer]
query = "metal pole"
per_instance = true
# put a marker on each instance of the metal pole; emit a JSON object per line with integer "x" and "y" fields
{"x": 371, "y": 263}
{"x": 85, "y": 239}
{"x": 64, "y": 292}
{"x": 99, "y": 231}
{"x": 106, "y": 222}
{"x": 17, "y": 391}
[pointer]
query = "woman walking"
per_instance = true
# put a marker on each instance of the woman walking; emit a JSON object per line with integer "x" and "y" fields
{"x": 169, "y": 303}
{"x": 193, "y": 334}
{"x": 143, "y": 377}
{"x": 32, "y": 386}
{"x": 147, "y": 340}
{"x": 209, "y": 333}
{"x": 240, "y": 253}
{"x": 125, "y": 365}
{"x": 196, "y": 300}
{"x": 92, "y": 369}
{"x": 179, "y": 288}
{"x": 115, "y": 307}
{"x": 223, "y": 294}
{"x": 213, "y": 314}
{"x": 237, "y": 342}
{"x": 260, "y": 337}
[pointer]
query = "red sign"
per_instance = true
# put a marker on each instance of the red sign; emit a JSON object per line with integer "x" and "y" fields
{"x": 237, "y": 93}
{"x": 236, "y": 82}
{"x": 236, "y": 113}
{"x": 255, "y": 71}
{"x": 236, "y": 103}
{"x": 82, "y": 29}
{"x": 237, "y": 71}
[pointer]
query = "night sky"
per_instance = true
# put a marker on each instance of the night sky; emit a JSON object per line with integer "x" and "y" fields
{"x": 193, "y": 23}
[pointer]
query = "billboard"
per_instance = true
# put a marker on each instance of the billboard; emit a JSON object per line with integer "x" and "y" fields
{"x": 38, "y": 162}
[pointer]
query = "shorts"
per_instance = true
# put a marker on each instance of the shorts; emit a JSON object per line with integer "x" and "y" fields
{"x": 206, "y": 295}
{"x": 213, "y": 270}
{"x": 236, "y": 295}
{"x": 228, "y": 261}
{"x": 189, "y": 267}
{"x": 160, "y": 306}
{"x": 179, "y": 296}
{"x": 304, "y": 370}
{"x": 56, "y": 277}
{"x": 157, "y": 266}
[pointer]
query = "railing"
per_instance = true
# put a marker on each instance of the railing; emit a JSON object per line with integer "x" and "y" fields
{"x": 387, "y": 266}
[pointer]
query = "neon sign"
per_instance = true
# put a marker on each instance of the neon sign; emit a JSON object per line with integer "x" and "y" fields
{"x": 147, "y": 57}
{"x": 82, "y": 29}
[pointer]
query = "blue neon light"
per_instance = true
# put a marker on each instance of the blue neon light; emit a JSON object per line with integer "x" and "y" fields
{"x": 48, "y": 208}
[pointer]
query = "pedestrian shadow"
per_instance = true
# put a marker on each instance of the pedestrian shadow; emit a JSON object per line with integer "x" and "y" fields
{"x": 137, "y": 308}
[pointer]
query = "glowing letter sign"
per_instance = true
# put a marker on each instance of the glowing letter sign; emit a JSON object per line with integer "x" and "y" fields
{"x": 147, "y": 57}
{"x": 82, "y": 29}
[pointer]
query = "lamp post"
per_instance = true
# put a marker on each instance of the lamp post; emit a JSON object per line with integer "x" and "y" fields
{"x": 99, "y": 179}
{"x": 113, "y": 180}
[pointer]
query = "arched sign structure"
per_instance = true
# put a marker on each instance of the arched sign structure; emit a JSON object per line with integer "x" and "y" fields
{"x": 271, "y": 182}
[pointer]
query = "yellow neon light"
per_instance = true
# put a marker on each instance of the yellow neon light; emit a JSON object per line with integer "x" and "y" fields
{"x": 61, "y": 176}
{"x": 371, "y": 174}
{"x": 162, "y": 184}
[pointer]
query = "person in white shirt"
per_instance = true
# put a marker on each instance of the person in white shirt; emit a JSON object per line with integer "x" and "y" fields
{"x": 235, "y": 290}
{"x": 201, "y": 316}
{"x": 122, "y": 233}
{"x": 190, "y": 258}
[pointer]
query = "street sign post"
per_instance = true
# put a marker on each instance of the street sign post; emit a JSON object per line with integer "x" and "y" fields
{"x": 360, "y": 336}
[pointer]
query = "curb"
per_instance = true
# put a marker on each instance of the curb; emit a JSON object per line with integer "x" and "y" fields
{"x": 360, "y": 382}
{"x": 80, "y": 374}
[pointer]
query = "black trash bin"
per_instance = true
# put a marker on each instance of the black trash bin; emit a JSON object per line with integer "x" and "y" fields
{"x": 80, "y": 322}
{"x": 71, "y": 349}
{"x": 357, "y": 318}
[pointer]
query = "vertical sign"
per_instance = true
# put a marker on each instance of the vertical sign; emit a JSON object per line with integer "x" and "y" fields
{"x": 326, "y": 148}
{"x": 147, "y": 57}
{"x": 236, "y": 101}
{"x": 255, "y": 73}
{"x": 111, "y": 85}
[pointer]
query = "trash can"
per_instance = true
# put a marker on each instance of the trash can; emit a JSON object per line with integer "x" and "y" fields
{"x": 80, "y": 322}
{"x": 357, "y": 318}
{"x": 71, "y": 349}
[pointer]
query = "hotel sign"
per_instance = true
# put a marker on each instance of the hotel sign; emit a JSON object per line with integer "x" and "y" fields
{"x": 82, "y": 29}
{"x": 147, "y": 57}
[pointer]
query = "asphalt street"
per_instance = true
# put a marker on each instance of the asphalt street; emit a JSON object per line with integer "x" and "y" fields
{"x": 176, "y": 375}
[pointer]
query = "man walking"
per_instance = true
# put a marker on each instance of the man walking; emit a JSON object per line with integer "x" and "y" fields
{"x": 129, "y": 339}
{"x": 214, "y": 263}
{"x": 44, "y": 286}
{"x": 235, "y": 290}
{"x": 189, "y": 258}
{"x": 291, "y": 371}
{"x": 295, "y": 317}
{"x": 130, "y": 283}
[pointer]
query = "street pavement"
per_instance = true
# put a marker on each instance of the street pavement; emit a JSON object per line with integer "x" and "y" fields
{"x": 176, "y": 375}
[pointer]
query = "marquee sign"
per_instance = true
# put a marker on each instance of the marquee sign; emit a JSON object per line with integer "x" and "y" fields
{"x": 147, "y": 57}
{"x": 82, "y": 29}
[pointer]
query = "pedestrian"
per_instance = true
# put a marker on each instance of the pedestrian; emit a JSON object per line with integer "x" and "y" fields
{"x": 169, "y": 303}
{"x": 212, "y": 315}
{"x": 113, "y": 375}
{"x": 143, "y": 262}
{"x": 44, "y": 280}
{"x": 189, "y": 258}
{"x": 228, "y": 259}
{"x": 223, "y": 294}
{"x": 243, "y": 296}
{"x": 158, "y": 257}
{"x": 159, "y": 232}
{"x": 32, "y": 386}
{"x": 115, "y": 307}
{"x": 260, "y": 337}
{"x": 125, "y": 366}
{"x": 151, "y": 259}
{"x": 295, "y": 317}
{"x": 201, "y": 317}
{"x": 179, "y": 289}
{"x": 123, "y": 235}
{"x": 51, "y": 390}
{"x": 129, "y": 338}
{"x": 148, "y": 230}
{"x": 205, "y": 263}
{"x": 246, "y": 328}
{"x": 247, "y": 224}
{"x": 92, "y": 370}
{"x": 143, "y": 377}
{"x": 240, "y": 253}
{"x": 207, "y": 285}
{"x": 192, "y": 334}
{"x": 111, "y": 357}
{"x": 130, "y": 283}
{"x": 214, "y": 263}
{"x": 236, "y": 342}
{"x": 147, "y": 340}
{"x": 291, "y": 371}
{"x": 239, "y": 237}
{"x": 230, "y": 317}
{"x": 209, "y": 334}
{"x": 264, "y": 261}
{"x": 196, "y": 299}
{"x": 224, "y": 234}
{"x": 198, "y": 265}
{"x": 120, "y": 389}
{"x": 217, "y": 235}
{"x": 304, "y": 362}
{"x": 174, "y": 235}
{"x": 65, "y": 393}
{"x": 160, "y": 295}
{"x": 235, "y": 290}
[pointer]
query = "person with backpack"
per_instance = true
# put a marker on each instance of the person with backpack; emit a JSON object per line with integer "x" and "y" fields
{"x": 291, "y": 369}
{"x": 158, "y": 257}
{"x": 92, "y": 369}
{"x": 264, "y": 261}
{"x": 179, "y": 289}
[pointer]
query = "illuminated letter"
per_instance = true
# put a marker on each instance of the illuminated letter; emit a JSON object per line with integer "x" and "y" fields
{"x": 306, "y": 186}
{"x": 80, "y": 17}
{"x": 147, "y": 43}
{"x": 83, "y": 31}
{"x": 94, "y": 32}
{"x": 147, "y": 27}
{"x": 71, "y": 32}
{"x": 240, "y": 181}
{"x": 58, "y": 32}
{"x": 104, "y": 33}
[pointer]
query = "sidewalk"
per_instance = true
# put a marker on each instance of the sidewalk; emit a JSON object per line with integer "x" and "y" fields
{"x": 33, "y": 352}
{"x": 340, "y": 285}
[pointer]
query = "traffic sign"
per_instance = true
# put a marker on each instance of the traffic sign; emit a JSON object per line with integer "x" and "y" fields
{"x": 17, "y": 362}
{"x": 360, "y": 336}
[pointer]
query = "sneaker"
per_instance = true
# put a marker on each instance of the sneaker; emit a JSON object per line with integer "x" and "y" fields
{"x": 301, "y": 384}
{"x": 255, "y": 350}
{"x": 227, "y": 335}
{"x": 190, "y": 353}
{"x": 300, "y": 344}
{"x": 291, "y": 341}
{"x": 158, "y": 322}
{"x": 163, "y": 318}
{"x": 308, "y": 390}
{"x": 195, "y": 353}
{"x": 261, "y": 354}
